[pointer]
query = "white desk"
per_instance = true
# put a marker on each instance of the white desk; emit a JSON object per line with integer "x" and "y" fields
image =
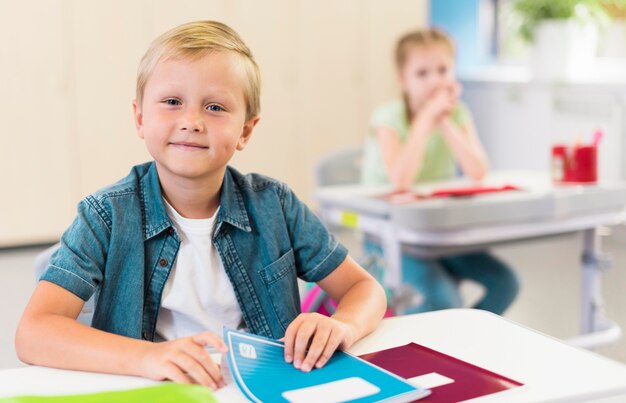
{"x": 549, "y": 369}
{"x": 443, "y": 226}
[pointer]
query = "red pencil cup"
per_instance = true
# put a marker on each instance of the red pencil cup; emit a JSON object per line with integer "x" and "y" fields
{"x": 577, "y": 164}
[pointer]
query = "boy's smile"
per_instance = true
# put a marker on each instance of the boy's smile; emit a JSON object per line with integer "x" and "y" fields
{"x": 192, "y": 116}
{"x": 188, "y": 146}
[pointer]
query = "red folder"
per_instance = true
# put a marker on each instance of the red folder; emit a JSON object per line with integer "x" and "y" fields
{"x": 413, "y": 360}
{"x": 470, "y": 191}
{"x": 400, "y": 197}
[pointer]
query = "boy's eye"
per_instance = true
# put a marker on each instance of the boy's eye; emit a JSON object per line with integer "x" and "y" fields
{"x": 443, "y": 70}
{"x": 172, "y": 102}
{"x": 422, "y": 73}
{"x": 214, "y": 108}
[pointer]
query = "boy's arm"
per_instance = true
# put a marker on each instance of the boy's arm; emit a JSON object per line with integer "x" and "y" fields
{"x": 362, "y": 304}
{"x": 320, "y": 258}
{"x": 48, "y": 334}
{"x": 362, "y": 300}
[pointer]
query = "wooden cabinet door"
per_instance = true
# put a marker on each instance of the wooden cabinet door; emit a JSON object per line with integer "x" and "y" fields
{"x": 37, "y": 148}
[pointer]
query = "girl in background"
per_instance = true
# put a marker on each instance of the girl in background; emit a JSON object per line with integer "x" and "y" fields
{"x": 424, "y": 137}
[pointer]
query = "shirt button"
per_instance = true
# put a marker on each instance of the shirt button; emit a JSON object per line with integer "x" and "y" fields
{"x": 170, "y": 231}
{"x": 145, "y": 336}
{"x": 163, "y": 262}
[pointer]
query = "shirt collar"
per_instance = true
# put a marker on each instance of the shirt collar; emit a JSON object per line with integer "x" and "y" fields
{"x": 232, "y": 208}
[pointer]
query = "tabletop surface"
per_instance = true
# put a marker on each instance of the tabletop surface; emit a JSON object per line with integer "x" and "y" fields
{"x": 538, "y": 199}
{"x": 549, "y": 368}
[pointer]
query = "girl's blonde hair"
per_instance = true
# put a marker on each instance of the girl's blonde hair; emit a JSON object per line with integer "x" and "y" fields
{"x": 195, "y": 40}
{"x": 421, "y": 38}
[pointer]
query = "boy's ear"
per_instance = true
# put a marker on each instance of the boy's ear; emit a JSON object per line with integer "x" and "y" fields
{"x": 246, "y": 133}
{"x": 138, "y": 115}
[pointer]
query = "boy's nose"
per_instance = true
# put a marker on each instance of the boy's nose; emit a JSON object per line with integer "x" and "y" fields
{"x": 192, "y": 122}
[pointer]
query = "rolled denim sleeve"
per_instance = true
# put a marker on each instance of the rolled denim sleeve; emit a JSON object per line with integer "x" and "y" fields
{"x": 317, "y": 253}
{"x": 79, "y": 262}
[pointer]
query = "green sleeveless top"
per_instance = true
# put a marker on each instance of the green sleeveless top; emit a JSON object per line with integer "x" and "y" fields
{"x": 438, "y": 163}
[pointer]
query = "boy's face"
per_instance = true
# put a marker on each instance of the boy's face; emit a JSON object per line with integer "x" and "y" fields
{"x": 193, "y": 115}
{"x": 426, "y": 70}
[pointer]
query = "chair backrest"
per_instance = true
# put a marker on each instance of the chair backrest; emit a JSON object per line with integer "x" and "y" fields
{"x": 41, "y": 263}
{"x": 341, "y": 167}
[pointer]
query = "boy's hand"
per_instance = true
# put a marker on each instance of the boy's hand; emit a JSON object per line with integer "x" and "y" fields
{"x": 319, "y": 334}
{"x": 184, "y": 360}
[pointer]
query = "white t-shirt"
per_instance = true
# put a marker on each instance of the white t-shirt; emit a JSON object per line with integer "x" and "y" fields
{"x": 198, "y": 295}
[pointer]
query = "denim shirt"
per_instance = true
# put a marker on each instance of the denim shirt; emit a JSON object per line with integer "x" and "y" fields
{"x": 122, "y": 245}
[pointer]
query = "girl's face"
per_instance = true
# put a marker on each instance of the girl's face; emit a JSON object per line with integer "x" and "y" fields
{"x": 426, "y": 70}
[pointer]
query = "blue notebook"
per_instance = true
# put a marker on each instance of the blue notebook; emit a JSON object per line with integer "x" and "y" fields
{"x": 258, "y": 366}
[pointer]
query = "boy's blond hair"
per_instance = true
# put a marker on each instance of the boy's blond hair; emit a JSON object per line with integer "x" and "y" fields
{"x": 195, "y": 40}
{"x": 421, "y": 38}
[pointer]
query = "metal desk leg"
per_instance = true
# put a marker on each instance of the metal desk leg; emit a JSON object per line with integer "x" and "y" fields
{"x": 596, "y": 330}
{"x": 402, "y": 296}
{"x": 392, "y": 252}
{"x": 591, "y": 285}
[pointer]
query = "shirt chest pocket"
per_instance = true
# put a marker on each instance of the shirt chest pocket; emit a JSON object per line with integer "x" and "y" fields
{"x": 281, "y": 283}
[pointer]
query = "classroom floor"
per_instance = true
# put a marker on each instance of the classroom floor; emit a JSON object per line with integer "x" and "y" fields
{"x": 549, "y": 300}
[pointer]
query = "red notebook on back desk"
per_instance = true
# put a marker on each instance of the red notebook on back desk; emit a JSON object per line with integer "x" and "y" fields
{"x": 469, "y": 381}
{"x": 400, "y": 197}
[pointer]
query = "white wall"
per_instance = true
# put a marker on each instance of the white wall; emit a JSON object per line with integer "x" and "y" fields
{"x": 67, "y": 72}
{"x": 520, "y": 120}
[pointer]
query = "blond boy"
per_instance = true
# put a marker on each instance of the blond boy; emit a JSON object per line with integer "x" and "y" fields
{"x": 186, "y": 244}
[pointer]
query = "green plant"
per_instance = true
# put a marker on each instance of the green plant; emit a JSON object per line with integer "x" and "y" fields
{"x": 532, "y": 12}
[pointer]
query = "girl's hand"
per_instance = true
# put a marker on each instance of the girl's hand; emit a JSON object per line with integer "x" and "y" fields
{"x": 184, "y": 360}
{"x": 441, "y": 103}
{"x": 319, "y": 334}
{"x": 454, "y": 89}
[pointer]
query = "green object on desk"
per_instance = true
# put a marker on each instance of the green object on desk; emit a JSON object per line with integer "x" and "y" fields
{"x": 165, "y": 393}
